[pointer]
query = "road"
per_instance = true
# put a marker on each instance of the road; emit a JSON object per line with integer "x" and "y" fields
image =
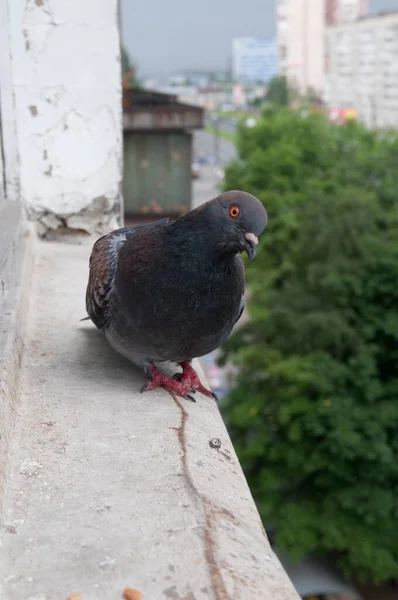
{"x": 205, "y": 144}
{"x": 227, "y": 124}
{"x": 209, "y": 183}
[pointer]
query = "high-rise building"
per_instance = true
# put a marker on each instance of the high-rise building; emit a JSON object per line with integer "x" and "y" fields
{"x": 301, "y": 40}
{"x": 363, "y": 70}
{"x": 345, "y": 11}
{"x": 254, "y": 60}
{"x": 301, "y": 34}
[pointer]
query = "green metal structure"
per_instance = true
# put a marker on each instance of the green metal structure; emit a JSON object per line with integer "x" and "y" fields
{"x": 157, "y": 153}
{"x": 157, "y": 172}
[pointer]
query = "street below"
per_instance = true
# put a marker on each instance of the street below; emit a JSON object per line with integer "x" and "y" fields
{"x": 215, "y": 153}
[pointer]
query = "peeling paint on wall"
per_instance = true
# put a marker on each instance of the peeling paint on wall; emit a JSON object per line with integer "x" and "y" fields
{"x": 94, "y": 219}
{"x": 67, "y": 82}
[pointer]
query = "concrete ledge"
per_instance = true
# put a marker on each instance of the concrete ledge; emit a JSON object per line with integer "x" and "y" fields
{"x": 108, "y": 488}
{"x": 15, "y": 276}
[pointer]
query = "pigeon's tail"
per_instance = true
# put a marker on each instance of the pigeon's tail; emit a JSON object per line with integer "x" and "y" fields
{"x": 85, "y": 319}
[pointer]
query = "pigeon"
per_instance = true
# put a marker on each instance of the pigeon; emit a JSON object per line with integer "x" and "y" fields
{"x": 172, "y": 290}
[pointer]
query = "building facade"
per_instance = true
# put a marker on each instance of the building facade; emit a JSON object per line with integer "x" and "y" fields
{"x": 254, "y": 60}
{"x": 301, "y": 43}
{"x": 362, "y": 69}
{"x": 345, "y": 11}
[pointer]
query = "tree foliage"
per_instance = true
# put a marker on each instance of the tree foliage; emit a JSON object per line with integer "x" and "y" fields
{"x": 314, "y": 414}
{"x": 278, "y": 91}
{"x": 128, "y": 70}
{"x": 126, "y": 65}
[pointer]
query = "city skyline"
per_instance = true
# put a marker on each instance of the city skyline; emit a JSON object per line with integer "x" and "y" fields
{"x": 178, "y": 38}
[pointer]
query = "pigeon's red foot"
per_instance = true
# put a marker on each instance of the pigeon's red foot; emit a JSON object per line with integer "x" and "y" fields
{"x": 160, "y": 379}
{"x": 190, "y": 378}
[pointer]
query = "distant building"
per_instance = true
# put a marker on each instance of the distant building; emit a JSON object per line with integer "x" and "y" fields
{"x": 301, "y": 43}
{"x": 198, "y": 79}
{"x": 238, "y": 96}
{"x": 212, "y": 97}
{"x": 254, "y": 60}
{"x": 178, "y": 80}
{"x": 362, "y": 69}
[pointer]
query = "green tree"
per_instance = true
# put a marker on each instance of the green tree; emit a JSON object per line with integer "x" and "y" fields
{"x": 128, "y": 70}
{"x": 314, "y": 414}
{"x": 278, "y": 91}
{"x": 126, "y": 65}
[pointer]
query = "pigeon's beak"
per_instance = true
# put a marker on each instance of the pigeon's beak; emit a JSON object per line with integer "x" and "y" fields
{"x": 251, "y": 242}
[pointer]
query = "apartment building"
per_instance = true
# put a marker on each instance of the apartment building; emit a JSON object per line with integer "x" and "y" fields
{"x": 301, "y": 35}
{"x": 362, "y": 68}
{"x": 345, "y": 11}
{"x": 301, "y": 42}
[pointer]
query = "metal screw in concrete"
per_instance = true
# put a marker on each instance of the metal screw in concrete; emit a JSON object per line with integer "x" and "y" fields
{"x": 215, "y": 443}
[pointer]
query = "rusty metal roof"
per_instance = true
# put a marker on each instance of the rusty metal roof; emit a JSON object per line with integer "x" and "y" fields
{"x": 134, "y": 98}
{"x": 147, "y": 110}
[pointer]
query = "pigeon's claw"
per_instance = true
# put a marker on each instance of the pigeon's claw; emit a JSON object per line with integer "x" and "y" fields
{"x": 178, "y": 377}
{"x": 161, "y": 380}
{"x": 190, "y": 378}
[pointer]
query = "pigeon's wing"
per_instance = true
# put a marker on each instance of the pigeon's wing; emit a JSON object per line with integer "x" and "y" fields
{"x": 103, "y": 263}
{"x": 242, "y": 301}
{"x": 241, "y": 308}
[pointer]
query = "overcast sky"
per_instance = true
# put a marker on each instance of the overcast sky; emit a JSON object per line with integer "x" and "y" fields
{"x": 164, "y": 36}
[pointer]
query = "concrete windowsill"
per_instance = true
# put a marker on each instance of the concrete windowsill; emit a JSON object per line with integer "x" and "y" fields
{"x": 107, "y": 488}
{"x": 15, "y": 274}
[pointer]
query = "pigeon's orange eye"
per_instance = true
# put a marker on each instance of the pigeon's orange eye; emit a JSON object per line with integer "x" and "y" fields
{"x": 234, "y": 211}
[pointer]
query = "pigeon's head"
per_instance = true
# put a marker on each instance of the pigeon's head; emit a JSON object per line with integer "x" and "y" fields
{"x": 241, "y": 218}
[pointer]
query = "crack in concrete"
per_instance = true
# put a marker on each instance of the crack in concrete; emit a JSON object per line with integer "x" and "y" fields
{"x": 217, "y": 583}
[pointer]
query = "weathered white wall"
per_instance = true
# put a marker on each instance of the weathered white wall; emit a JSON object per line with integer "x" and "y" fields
{"x": 67, "y": 83}
{"x": 8, "y": 121}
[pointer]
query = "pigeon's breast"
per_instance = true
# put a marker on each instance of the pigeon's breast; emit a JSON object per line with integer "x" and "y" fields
{"x": 176, "y": 316}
